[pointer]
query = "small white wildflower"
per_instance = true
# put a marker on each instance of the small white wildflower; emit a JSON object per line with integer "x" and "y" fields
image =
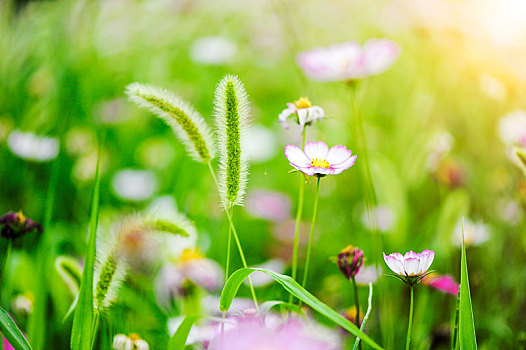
{"x": 475, "y": 233}
{"x": 30, "y": 146}
{"x": 259, "y": 144}
{"x": 213, "y": 50}
{"x": 385, "y": 218}
{"x": 134, "y": 185}
{"x": 512, "y": 128}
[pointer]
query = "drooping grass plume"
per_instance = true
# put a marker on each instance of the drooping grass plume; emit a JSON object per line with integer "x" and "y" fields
{"x": 231, "y": 113}
{"x": 185, "y": 121}
{"x": 70, "y": 271}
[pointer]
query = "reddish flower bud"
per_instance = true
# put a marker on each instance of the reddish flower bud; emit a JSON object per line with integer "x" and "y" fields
{"x": 350, "y": 260}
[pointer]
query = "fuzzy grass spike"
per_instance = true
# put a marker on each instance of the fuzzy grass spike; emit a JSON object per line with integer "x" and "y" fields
{"x": 231, "y": 113}
{"x": 186, "y": 122}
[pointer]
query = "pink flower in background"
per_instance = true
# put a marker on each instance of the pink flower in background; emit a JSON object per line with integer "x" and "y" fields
{"x": 268, "y": 205}
{"x": 318, "y": 160}
{"x": 443, "y": 283}
{"x": 349, "y": 61}
{"x": 6, "y": 345}
{"x": 304, "y": 111}
{"x": 410, "y": 268}
{"x": 255, "y": 333}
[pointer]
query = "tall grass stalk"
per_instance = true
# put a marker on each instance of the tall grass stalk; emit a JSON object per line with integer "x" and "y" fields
{"x": 311, "y": 233}
{"x": 238, "y": 243}
{"x": 366, "y": 317}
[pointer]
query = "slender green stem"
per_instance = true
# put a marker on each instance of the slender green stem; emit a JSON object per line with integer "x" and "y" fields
{"x": 357, "y": 303}
{"x": 366, "y": 317}
{"x": 228, "y": 248}
{"x": 408, "y": 339}
{"x": 238, "y": 243}
{"x": 309, "y": 245}
{"x": 299, "y": 214}
{"x": 6, "y": 263}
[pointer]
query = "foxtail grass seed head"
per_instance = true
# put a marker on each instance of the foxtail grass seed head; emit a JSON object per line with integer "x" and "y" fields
{"x": 186, "y": 122}
{"x": 350, "y": 260}
{"x": 231, "y": 113}
{"x": 70, "y": 271}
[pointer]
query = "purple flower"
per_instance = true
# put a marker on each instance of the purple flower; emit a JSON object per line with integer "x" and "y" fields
{"x": 15, "y": 225}
{"x": 305, "y": 113}
{"x": 350, "y": 260}
{"x": 318, "y": 160}
{"x": 349, "y": 61}
{"x": 411, "y": 267}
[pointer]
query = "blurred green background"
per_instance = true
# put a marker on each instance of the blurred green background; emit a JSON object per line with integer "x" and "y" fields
{"x": 431, "y": 121}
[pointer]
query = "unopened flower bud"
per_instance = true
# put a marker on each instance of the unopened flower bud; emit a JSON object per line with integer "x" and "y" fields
{"x": 350, "y": 260}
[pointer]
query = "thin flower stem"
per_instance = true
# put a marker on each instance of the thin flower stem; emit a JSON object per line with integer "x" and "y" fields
{"x": 228, "y": 248}
{"x": 238, "y": 243}
{"x": 309, "y": 245}
{"x": 299, "y": 214}
{"x": 6, "y": 263}
{"x": 408, "y": 340}
{"x": 366, "y": 317}
{"x": 357, "y": 303}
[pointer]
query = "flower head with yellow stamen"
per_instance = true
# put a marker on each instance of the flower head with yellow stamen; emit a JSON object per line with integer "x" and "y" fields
{"x": 317, "y": 159}
{"x": 304, "y": 112}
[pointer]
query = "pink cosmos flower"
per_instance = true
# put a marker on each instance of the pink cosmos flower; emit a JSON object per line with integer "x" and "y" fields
{"x": 349, "y": 61}
{"x": 443, "y": 283}
{"x": 411, "y": 267}
{"x": 254, "y": 333}
{"x": 6, "y": 345}
{"x": 318, "y": 160}
{"x": 304, "y": 111}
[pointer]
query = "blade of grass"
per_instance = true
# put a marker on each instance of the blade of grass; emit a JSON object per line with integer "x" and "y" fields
{"x": 178, "y": 340}
{"x": 466, "y": 326}
{"x": 84, "y": 313}
{"x": 236, "y": 279}
{"x": 11, "y": 332}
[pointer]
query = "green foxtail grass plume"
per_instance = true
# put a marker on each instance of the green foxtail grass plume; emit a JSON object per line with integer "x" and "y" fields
{"x": 231, "y": 113}
{"x": 185, "y": 121}
{"x": 70, "y": 271}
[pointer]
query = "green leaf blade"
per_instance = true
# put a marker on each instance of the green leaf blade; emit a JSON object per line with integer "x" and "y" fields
{"x": 290, "y": 285}
{"x": 466, "y": 326}
{"x": 84, "y": 312}
{"x": 12, "y": 333}
{"x": 178, "y": 340}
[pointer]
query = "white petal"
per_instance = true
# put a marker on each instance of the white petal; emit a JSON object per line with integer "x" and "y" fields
{"x": 411, "y": 266}
{"x": 318, "y": 150}
{"x": 344, "y": 166}
{"x": 296, "y": 157}
{"x": 394, "y": 264}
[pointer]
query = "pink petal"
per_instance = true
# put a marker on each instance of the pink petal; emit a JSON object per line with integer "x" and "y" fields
{"x": 317, "y": 150}
{"x": 446, "y": 284}
{"x": 337, "y": 169}
{"x": 380, "y": 54}
{"x": 338, "y": 155}
{"x": 296, "y": 157}
{"x": 394, "y": 264}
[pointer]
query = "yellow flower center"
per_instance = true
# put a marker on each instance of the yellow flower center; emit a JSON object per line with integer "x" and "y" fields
{"x": 190, "y": 254}
{"x": 302, "y": 102}
{"x": 21, "y": 217}
{"x": 134, "y": 337}
{"x": 318, "y": 163}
